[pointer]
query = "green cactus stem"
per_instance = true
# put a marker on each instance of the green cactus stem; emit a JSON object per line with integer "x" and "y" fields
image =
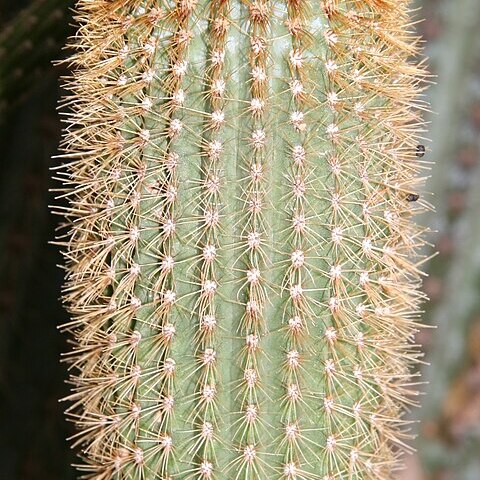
{"x": 242, "y": 267}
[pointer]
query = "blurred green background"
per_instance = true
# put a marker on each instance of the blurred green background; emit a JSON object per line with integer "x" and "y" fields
{"x": 32, "y": 427}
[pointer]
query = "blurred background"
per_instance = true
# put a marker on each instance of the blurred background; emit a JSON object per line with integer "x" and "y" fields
{"x": 32, "y": 426}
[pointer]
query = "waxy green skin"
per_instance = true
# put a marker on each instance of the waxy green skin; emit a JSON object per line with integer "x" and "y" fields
{"x": 341, "y": 424}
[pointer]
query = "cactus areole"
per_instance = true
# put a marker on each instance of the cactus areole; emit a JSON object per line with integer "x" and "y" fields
{"x": 242, "y": 265}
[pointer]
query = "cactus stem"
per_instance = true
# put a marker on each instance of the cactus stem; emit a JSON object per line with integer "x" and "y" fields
{"x": 242, "y": 264}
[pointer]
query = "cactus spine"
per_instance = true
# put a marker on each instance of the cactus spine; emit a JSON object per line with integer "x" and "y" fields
{"x": 242, "y": 269}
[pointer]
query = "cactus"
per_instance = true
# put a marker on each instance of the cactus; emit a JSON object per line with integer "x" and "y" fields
{"x": 242, "y": 265}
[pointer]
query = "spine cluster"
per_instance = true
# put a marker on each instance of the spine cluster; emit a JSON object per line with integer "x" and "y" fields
{"x": 242, "y": 266}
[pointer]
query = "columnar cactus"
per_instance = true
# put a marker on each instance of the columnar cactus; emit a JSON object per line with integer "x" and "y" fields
{"x": 242, "y": 267}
